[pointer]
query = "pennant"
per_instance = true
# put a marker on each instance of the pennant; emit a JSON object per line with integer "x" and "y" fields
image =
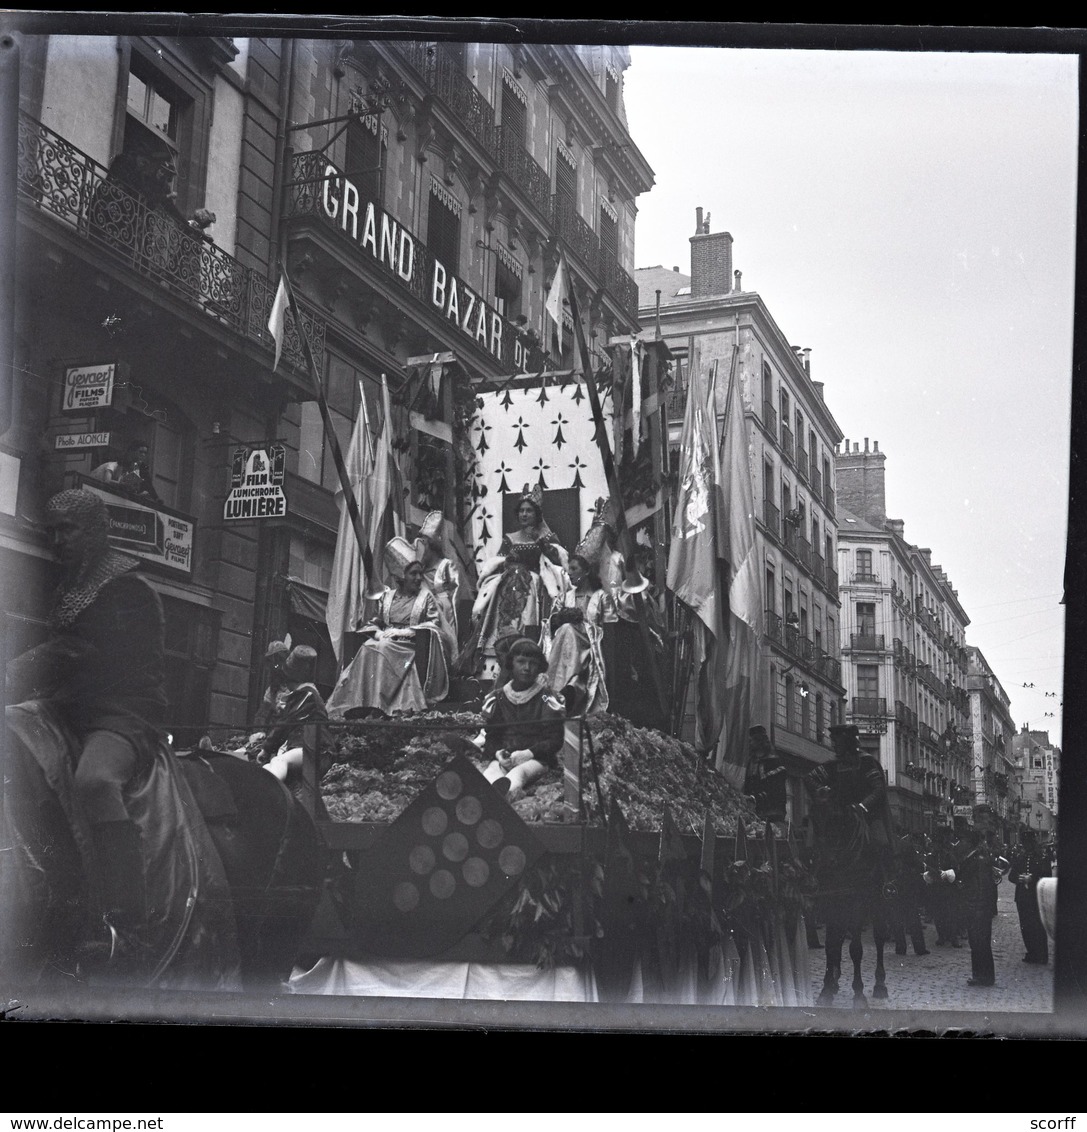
{"x": 277, "y": 319}
{"x": 556, "y": 296}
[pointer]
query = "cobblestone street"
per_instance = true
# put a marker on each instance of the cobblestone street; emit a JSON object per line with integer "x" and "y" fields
{"x": 937, "y": 981}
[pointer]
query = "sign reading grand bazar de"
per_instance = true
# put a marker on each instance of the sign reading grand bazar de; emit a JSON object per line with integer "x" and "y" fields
{"x": 395, "y": 248}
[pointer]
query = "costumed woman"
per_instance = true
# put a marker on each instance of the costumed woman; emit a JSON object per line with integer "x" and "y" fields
{"x": 440, "y": 576}
{"x": 401, "y": 665}
{"x": 573, "y": 635}
{"x": 93, "y": 719}
{"x": 517, "y": 588}
{"x": 522, "y": 723}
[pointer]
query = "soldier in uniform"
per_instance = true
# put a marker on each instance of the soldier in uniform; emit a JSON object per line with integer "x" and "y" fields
{"x": 977, "y": 887}
{"x": 1028, "y": 866}
{"x": 909, "y": 881}
{"x": 765, "y": 780}
{"x": 859, "y": 781}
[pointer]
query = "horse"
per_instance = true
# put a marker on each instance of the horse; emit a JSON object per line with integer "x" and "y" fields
{"x": 853, "y": 886}
{"x": 235, "y": 867}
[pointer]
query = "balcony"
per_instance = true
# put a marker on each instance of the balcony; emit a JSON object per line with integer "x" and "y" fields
{"x": 906, "y": 716}
{"x": 828, "y": 498}
{"x": 829, "y": 667}
{"x": 870, "y": 706}
{"x": 445, "y": 76}
{"x": 787, "y": 442}
{"x": 816, "y": 480}
{"x": 531, "y": 178}
{"x": 802, "y": 463}
{"x": 155, "y": 243}
{"x": 575, "y": 231}
{"x": 928, "y": 734}
{"x": 790, "y": 539}
{"x": 774, "y": 627}
{"x": 864, "y": 578}
{"x": 771, "y": 517}
{"x": 769, "y": 418}
{"x": 866, "y": 642}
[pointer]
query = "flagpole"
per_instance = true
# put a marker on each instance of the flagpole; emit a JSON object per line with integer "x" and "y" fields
{"x": 621, "y": 530}
{"x": 350, "y": 502}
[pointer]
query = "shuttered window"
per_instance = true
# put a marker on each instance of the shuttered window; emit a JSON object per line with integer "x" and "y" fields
{"x": 565, "y": 178}
{"x": 609, "y": 235}
{"x": 443, "y": 233}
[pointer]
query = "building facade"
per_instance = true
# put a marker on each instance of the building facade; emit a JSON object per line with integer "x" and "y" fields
{"x": 904, "y": 652}
{"x": 994, "y": 758}
{"x": 1036, "y": 778}
{"x": 709, "y": 323}
{"x": 418, "y": 194}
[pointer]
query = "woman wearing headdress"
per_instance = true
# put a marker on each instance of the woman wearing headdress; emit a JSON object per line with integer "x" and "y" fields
{"x": 401, "y": 665}
{"x": 440, "y": 576}
{"x": 297, "y": 701}
{"x": 573, "y": 635}
{"x": 518, "y": 588}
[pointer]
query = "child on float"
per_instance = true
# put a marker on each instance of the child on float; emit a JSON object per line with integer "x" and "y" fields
{"x": 522, "y": 723}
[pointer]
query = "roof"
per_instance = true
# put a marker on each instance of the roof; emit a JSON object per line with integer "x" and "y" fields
{"x": 664, "y": 279}
{"x": 850, "y": 524}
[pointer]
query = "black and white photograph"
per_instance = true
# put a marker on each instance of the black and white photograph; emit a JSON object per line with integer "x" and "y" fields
{"x": 503, "y": 525}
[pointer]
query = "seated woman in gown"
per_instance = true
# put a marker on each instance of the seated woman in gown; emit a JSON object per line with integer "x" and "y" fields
{"x": 573, "y": 636}
{"x": 402, "y": 664}
{"x": 517, "y": 588}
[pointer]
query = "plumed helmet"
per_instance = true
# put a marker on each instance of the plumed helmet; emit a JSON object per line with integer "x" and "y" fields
{"x": 399, "y": 555}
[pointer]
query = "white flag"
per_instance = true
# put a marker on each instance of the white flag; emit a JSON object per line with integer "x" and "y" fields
{"x": 277, "y": 317}
{"x": 556, "y": 295}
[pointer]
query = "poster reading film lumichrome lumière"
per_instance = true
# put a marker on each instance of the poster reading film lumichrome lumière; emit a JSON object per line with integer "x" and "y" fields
{"x": 151, "y": 533}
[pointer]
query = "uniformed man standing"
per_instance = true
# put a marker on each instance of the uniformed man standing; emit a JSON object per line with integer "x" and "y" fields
{"x": 1029, "y": 865}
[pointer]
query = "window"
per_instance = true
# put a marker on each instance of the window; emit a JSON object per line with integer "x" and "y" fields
{"x": 514, "y": 117}
{"x": 787, "y": 595}
{"x": 819, "y": 719}
{"x": 866, "y": 618}
{"x": 443, "y": 228}
{"x": 364, "y": 158}
{"x": 868, "y": 681}
{"x": 156, "y": 133}
{"x": 771, "y": 590}
{"x": 611, "y": 88}
{"x": 507, "y": 291}
{"x": 767, "y": 384}
{"x": 815, "y": 533}
{"x": 609, "y": 235}
{"x": 784, "y": 404}
{"x": 565, "y": 179}
{"x": 191, "y": 643}
{"x": 864, "y": 563}
{"x": 768, "y": 481}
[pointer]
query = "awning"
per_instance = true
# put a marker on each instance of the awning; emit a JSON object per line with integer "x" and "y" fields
{"x": 307, "y": 601}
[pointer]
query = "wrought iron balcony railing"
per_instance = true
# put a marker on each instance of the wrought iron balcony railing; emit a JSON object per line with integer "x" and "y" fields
{"x": 869, "y": 705}
{"x": 787, "y": 442}
{"x": 515, "y": 161}
{"x": 774, "y": 626}
{"x": 804, "y": 550}
{"x": 801, "y": 461}
{"x": 864, "y": 577}
{"x": 56, "y": 178}
{"x": 769, "y": 417}
{"x": 445, "y": 76}
{"x": 574, "y": 230}
{"x": 772, "y": 518}
{"x": 819, "y": 569}
{"x": 828, "y": 498}
{"x": 866, "y": 642}
{"x": 832, "y": 582}
{"x": 816, "y": 480}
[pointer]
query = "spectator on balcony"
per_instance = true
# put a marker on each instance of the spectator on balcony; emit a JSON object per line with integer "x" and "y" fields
{"x": 131, "y": 474}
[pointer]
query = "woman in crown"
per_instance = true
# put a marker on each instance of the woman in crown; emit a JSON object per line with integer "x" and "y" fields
{"x": 518, "y": 588}
{"x": 402, "y": 664}
{"x": 573, "y": 634}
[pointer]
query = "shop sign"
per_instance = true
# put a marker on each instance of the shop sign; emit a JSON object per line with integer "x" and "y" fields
{"x": 964, "y": 811}
{"x": 393, "y": 246}
{"x": 146, "y": 531}
{"x": 69, "y": 440}
{"x": 88, "y": 387}
{"x": 256, "y": 484}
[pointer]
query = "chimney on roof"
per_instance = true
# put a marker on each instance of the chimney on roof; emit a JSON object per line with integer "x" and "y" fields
{"x": 711, "y": 259}
{"x": 819, "y": 389}
{"x": 737, "y": 275}
{"x": 676, "y": 269}
{"x": 859, "y": 482}
{"x": 806, "y": 354}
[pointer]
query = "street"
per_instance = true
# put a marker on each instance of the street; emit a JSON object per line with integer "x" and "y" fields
{"x": 937, "y": 981}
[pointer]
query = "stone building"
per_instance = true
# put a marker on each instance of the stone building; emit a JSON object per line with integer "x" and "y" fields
{"x": 992, "y": 733}
{"x": 709, "y": 322}
{"x": 418, "y": 194}
{"x": 904, "y": 651}
{"x": 1036, "y": 779}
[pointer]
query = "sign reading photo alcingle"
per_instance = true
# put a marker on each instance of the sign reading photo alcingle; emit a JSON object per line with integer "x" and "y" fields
{"x": 256, "y": 484}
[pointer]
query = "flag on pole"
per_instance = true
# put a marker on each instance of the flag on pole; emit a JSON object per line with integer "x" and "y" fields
{"x": 744, "y": 687}
{"x": 350, "y": 571}
{"x": 385, "y": 516}
{"x": 693, "y": 570}
{"x": 277, "y": 319}
{"x": 556, "y": 295}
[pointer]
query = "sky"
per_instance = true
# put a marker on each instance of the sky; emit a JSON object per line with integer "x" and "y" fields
{"x": 909, "y": 217}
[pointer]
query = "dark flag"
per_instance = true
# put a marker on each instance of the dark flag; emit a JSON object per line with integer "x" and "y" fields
{"x": 441, "y": 866}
